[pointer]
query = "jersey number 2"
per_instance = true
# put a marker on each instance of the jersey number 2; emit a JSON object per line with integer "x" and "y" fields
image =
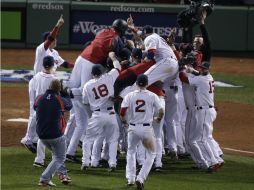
{"x": 102, "y": 89}
{"x": 140, "y": 104}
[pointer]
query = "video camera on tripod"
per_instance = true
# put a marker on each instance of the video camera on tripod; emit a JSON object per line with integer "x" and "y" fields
{"x": 191, "y": 16}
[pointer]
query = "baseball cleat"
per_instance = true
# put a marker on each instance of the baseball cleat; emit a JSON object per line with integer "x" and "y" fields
{"x": 73, "y": 159}
{"x": 157, "y": 169}
{"x": 65, "y": 179}
{"x": 84, "y": 167}
{"x": 30, "y": 147}
{"x": 140, "y": 185}
{"x": 112, "y": 169}
{"x": 39, "y": 165}
{"x": 173, "y": 155}
{"x": 221, "y": 165}
{"x": 213, "y": 168}
{"x": 130, "y": 183}
{"x": 46, "y": 184}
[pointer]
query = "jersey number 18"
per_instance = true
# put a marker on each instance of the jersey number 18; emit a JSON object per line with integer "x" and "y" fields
{"x": 101, "y": 91}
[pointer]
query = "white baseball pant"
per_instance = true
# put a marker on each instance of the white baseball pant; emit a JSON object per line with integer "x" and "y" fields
{"x": 136, "y": 134}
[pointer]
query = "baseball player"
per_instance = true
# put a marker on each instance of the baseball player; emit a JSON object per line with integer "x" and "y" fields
{"x": 158, "y": 49}
{"x": 206, "y": 114}
{"x": 47, "y": 48}
{"x": 105, "y": 41}
{"x": 39, "y": 85}
{"x": 139, "y": 107}
{"x": 103, "y": 122}
{"x": 44, "y": 49}
{"x": 50, "y": 127}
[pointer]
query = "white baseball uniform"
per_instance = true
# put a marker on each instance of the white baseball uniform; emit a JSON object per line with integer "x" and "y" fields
{"x": 206, "y": 114}
{"x": 180, "y": 118}
{"x": 40, "y": 83}
{"x": 191, "y": 125}
{"x": 103, "y": 122}
{"x": 166, "y": 63}
{"x": 171, "y": 96}
{"x": 41, "y": 52}
{"x": 81, "y": 115}
{"x": 141, "y": 106}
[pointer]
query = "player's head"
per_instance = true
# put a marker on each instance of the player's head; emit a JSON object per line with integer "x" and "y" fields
{"x": 136, "y": 56}
{"x": 204, "y": 67}
{"x": 185, "y": 48}
{"x": 97, "y": 70}
{"x": 46, "y": 36}
{"x": 147, "y": 30}
{"x": 48, "y": 62}
{"x": 55, "y": 85}
{"x": 142, "y": 81}
{"x": 198, "y": 42}
{"x": 191, "y": 60}
{"x": 120, "y": 26}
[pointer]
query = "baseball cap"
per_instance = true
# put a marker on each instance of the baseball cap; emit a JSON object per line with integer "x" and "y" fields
{"x": 142, "y": 80}
{"x": 137, "y": 53}
{"x": 125, "y": 54}
{"x": 205, "y": 65}
{"x": 45, "y": 36}
{"x": 48, "y": 61}
{"x": 97, "y": 70}
{"x": 147, "y": 29}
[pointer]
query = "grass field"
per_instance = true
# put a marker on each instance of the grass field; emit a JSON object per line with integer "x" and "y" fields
{"x": 18, "y": 173}
{"x": 244, "y": 94}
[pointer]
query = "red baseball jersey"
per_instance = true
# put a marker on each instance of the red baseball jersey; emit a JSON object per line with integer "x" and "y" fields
{"x": 97, "y": 51}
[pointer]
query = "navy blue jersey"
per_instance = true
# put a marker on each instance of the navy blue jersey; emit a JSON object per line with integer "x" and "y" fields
{"x": 50, "y": 109}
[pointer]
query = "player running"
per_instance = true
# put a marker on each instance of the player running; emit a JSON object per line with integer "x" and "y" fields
{"x": 139, "y": 107}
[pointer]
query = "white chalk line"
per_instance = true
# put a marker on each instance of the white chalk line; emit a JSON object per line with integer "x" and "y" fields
{"x": 235, "y": 150}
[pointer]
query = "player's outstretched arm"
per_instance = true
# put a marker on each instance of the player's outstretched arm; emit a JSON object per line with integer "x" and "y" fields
{"x": 54, "y": 33}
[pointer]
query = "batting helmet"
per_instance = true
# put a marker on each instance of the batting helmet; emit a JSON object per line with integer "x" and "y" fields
{"x": 120, "y": 26}
{"x": 142, "y": 80}
{"x": 97, "y": 70}
{"x": 147, "y": 29}
{"x": 48, "y": 62}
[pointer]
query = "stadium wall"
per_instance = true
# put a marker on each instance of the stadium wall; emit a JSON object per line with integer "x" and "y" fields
{"x": 24, "y": 21}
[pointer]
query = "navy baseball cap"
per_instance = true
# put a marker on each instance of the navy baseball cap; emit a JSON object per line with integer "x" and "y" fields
{"x": 205, "y": 65}
{"x": 142, "y": 80}
{"x": 45, "y": 36}
{"x": 125, "y": 54}
{"x": 137, "y": 53}
{"x": 48, "y": 61}
{"x": 97, "y": 70}
{"x": 147, "y": 29}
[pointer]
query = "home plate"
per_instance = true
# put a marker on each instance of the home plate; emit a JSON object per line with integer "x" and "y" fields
{"x": 18, "y": 120}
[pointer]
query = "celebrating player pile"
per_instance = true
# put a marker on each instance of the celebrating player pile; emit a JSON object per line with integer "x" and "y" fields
{"x": 144, "y": 97}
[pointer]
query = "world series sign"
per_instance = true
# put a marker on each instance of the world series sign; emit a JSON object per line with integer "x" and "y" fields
{"x": 84, "y": 24}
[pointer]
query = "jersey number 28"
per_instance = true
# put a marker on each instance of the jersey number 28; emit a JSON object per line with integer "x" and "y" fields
{"x": 101, "y": 91}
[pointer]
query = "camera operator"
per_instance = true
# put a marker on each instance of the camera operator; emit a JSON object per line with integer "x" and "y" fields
{"x": 201, "y": 43}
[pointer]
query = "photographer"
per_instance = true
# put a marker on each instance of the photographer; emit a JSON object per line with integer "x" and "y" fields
{"x": 50, "y": 108}
{"x": 201, "y": 43}
{"x": 196, "y": 14}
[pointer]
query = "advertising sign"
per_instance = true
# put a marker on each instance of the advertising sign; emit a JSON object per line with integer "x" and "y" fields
{"x": 84, "y": 23}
